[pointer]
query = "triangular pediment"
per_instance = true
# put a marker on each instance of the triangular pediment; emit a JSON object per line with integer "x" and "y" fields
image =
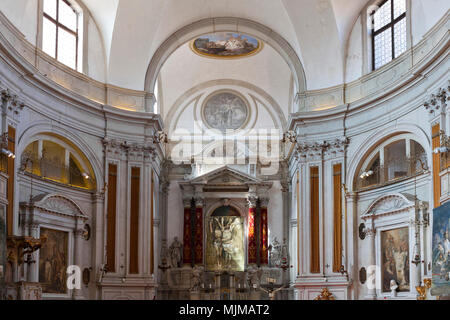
{"x": 225, "y": 176}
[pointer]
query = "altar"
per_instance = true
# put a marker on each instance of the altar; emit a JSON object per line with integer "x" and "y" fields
{"x": 224, "y": 252}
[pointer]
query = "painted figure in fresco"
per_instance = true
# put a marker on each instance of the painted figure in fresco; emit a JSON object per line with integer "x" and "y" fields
{"x": 217, "y": 242}
{"x": 175, "y": 253}
{"x": 400, "y": 257}
{"x": 447, "y": 244}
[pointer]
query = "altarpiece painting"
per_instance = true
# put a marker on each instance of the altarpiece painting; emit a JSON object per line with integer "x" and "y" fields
{"x": 395, "y": 259}
{"x": 53, "y": 261}
{"x": 225, "y": 242}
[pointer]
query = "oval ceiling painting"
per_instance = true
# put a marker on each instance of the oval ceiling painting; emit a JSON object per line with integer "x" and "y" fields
{"x": 226, "y": 45}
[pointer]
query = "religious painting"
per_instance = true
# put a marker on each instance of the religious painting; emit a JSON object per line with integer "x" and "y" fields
{"x": 53, "y": 260}
{"x": 226, "y": 45}
{"x": 225, "y": 243}
{"x": 395, "y": 259}
{"x": 440, "y": 284}
{"x": 225, "y": 110}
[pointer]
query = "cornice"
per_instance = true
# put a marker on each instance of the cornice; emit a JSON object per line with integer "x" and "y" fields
{"x": 385, "y": 82}
{"x": 317, "y": 150}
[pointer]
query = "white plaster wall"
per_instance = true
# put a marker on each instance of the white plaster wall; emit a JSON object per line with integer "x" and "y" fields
{"x": 354, "y": 69}
{"x": 175, "y": 212}
{"x": 424, "y": 15}
{"x": 275, "y": 212}
{"x": 96, "y": 53}
{"x": 184, "y": 70}
{"x": 23, "y": 15}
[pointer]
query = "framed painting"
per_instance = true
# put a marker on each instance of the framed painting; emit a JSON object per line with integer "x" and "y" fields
{"x": 225, "y": 244}
{"x": 53, "y": 261}
{"x": 440, "y": 284}
{"x": 226, "y": 45}
{"x": 225, "y": 111}
{"x": 395, "y": 259}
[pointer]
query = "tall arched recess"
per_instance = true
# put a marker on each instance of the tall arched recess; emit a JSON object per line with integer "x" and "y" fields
{"x": 225, "y": 24}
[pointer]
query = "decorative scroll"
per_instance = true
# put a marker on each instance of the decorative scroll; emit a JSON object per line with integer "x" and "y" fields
{"x": 187, "y": 236}
{"x": 251, "y": 236}
{"x": 264, "y": 245}
{"x": 325, "y": 295}
{"x": 198, "y": 239}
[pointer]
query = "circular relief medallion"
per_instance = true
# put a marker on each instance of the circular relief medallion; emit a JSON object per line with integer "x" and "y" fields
{"x": 224, "y": 111}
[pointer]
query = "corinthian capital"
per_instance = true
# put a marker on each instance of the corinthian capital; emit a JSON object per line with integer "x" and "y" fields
{"x": 251, "y": 201}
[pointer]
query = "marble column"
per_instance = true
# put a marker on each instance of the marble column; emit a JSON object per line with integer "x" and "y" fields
{"x": 350, "y": 258}
{"x": 198, "y": 234}
{"x": 187, "y": 231}
{"x": 372, "y": 270}
{"x": 78, "y": 251}
{"x": 264, "y": 232}
{"x": 33, "y": 267}
{"x": 251, "y": 230}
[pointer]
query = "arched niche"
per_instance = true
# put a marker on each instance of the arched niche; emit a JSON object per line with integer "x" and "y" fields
{"x": 55, "y": 158}
{"x": 224, "y": 24}
{"x": 393, "y": 158}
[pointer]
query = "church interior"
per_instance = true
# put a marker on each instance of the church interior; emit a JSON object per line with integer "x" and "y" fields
{"x": 224, "y": 150}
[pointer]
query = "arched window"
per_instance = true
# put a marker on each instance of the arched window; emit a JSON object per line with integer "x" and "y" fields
{"x": 389, "y": 32}
{"x": 57, "y": 160}
{"x": 396, "y": 159}
{"x": 62, "y": 31}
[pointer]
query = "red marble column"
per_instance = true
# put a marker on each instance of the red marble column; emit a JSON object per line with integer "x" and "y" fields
{"x": 198, "y": 238}
{"x": 187, "y": 257}
{"x": 264, "y": 243}
{"x": 251, "y": 233}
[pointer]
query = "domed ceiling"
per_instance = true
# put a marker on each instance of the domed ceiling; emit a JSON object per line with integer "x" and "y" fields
{"x": 316, "y": 30}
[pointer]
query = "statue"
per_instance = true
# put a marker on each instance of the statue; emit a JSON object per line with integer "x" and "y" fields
{"x": 175, "y": 252}
{"x": 274, "y": 253}
{"x": 393, "y": 287}
{"x": 197, "y": 281}
{"x": 254, "y": 277}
